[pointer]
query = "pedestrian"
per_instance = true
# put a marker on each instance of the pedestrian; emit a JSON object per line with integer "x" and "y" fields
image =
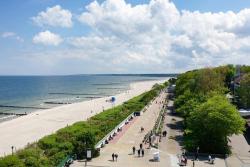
{"x": 197, "y": 153}
{"x": 138, "y": 152}
{"x": 196, "y": 156}
{"x": 133, "y": 150}
{"x": 113, "y": 157}
{"x": 141, "y": 146}
{"x": 116, "y": 156}
{"x": 142, "y": 152}
{"x": 142, "y": 129}
{"x": 164, "y": 133}
{"x": 185, "y": 161}
{"x": 193, "y": 163}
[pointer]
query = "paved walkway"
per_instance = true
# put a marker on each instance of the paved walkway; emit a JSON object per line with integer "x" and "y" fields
{"x": 132, "y": 137}
{"x": 169, "y": 147}
{"x": 240, "y": 152}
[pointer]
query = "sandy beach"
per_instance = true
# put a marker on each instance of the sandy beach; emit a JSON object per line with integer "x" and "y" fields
{"x": 30, "y": 128}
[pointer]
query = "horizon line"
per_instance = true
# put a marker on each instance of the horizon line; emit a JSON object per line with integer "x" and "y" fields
{"x": 131, "y": 74}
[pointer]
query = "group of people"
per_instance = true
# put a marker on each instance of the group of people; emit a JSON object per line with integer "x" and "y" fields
{"x": 140, "y": 151}
{"x": 114, "y": 157}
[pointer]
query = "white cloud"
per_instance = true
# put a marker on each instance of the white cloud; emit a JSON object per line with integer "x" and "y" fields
{"x": 54, "y": 16}
{"x": 158, "y": 34}
{"x": 13, "y": 35}
{"x": 157, "y": 37}
{"x": 47, "y": 38}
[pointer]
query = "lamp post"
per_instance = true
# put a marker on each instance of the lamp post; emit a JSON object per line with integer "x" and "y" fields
{"x": 12, "y": 150}
{"x": 85, "y": 142}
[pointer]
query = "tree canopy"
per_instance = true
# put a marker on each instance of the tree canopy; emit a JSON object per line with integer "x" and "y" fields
{"x": 244, "y": 91}
{"x": 209, "y": 118}
{"x": 212, "y": 122}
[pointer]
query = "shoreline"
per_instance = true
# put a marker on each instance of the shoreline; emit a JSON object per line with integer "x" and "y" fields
{"x": 27, "y": 129}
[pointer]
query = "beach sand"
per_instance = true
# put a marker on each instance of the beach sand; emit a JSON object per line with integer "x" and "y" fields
{"x": 32, "y": 127}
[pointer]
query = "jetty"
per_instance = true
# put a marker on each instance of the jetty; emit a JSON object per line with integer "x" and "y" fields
{"x": 79, "y": 94}
{"x": 22, "y": 107}
{"x": 54, "y": 102}
{"x": 11, "y": 113}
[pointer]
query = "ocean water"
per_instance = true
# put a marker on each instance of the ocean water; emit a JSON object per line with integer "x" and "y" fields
{"x": 25, "y": 94}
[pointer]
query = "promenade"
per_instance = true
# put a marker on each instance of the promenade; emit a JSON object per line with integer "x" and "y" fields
{"x": 169, "y": 147}
{"x": 129, "y": 138}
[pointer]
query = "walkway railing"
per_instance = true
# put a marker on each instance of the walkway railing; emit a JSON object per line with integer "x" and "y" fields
{"x": 102, "y": 141}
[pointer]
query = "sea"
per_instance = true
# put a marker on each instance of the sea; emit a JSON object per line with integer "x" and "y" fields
{"x": 25, "y": 94}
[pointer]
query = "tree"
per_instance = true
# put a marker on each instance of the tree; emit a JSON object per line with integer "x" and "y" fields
{"x": 185, "y": 82}
{"x": 245, "y": 69}
{"x": 227, "y": 73}
{"x": 208, "y": 80}
{"x": 187, "y": 102}
{"x": 244, "y": 91}
{"x": 210, "y": 125}
{"x": 84, "y": 141}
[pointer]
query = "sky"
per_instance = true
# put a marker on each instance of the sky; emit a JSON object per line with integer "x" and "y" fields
{"x": 52, "y": 37}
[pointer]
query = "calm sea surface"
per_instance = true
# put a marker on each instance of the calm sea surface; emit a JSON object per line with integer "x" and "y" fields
{"x": 20, "y": 94}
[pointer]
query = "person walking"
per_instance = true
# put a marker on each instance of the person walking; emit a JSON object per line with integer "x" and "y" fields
{"x": 142, "y": 152}
{"x": 133, "y": 150}
{"x": 139, "y": 152}
{"x": 141, "y": 146}
{"x": 197, "y": 153}
{"x": 116, "y": 156}
{"x": 113, "y": 157}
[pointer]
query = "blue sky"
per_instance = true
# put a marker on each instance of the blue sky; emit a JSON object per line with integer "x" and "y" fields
{"x": 153, "y": 42}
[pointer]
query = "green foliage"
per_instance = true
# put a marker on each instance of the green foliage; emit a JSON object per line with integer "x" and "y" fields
{"x": 165, "y": 84}
{"x": 185, "y": 82}
{"x": 209, "y": 117}
{"x": 245, "y": 69}
{"x": 71, "y": 140}
{"x": 244, "y": 91}
{"x": 11, "y": 161}
{"x": 172, "y": 80}
{"x": 211, "y": 123}
{"x": 208, "y": 80}
{"x": 187, "y": 102}
{"x": 85, "y": 140}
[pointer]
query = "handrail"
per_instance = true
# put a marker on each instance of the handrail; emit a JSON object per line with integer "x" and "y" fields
{"x": 102, "y": 141}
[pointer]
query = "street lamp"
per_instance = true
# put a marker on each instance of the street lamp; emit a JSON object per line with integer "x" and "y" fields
{"x": 12, "y": 149}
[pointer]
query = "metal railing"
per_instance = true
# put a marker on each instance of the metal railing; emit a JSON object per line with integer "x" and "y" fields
{"x": 102, "y": 141}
